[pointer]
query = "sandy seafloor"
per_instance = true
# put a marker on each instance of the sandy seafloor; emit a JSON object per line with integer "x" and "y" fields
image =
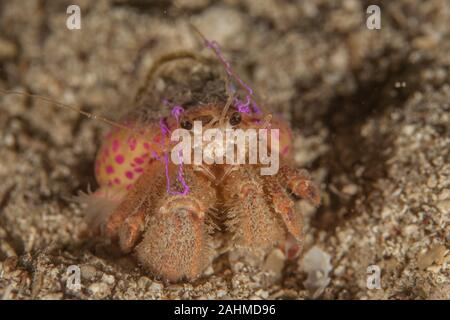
{"x": 370, "y": 109}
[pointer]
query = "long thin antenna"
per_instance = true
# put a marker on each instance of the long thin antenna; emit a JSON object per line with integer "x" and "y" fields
{"x": 68, "y": 107}
{"x": 229, "y": 101}
{"x": 228, "y": 68}
{"x": 214, "y": 46}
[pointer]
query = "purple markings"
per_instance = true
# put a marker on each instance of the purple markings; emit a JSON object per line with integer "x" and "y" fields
{"x": 176, "y": 112}
{"x": 164, "y": 128}
{"x": 243, "y": 107}
{"x": 165, "y": 131}
{"x": 229, "y": 70}
{"x": 166, "y": 165}
{"x": 180, "y": 178}
{"x": 155, "y": 155}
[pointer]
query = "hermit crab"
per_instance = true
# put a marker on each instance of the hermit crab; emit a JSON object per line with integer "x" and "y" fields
{"x": 166, "y": 214}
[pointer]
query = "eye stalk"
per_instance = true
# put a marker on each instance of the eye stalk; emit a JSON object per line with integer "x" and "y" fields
{"x": 186, "y": 124}
{"x": 235, "y": 118}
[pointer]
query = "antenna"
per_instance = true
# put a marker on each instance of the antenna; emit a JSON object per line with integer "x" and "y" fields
{"x": 67, "y": 106}
{"x": 213, "y": 45}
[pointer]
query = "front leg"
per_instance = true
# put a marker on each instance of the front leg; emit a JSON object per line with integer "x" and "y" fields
{"x": 284, "y": 206}
{"x": 170, "y": 234}
{"x": 299, "y": 183}
{"x": 176, "y": 241}
{"x": 293, "y": 220}
{"x": 251, "y": 220}
{"x": 130, "y": 208}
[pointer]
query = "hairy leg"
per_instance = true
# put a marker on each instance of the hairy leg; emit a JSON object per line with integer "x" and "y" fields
{"x": 148, "y": 183}
{"x": 300, "y": 183}
{"x": 284, "y": 206}
{"x": 177, "y": 236}
{"x": 251, "y": 219}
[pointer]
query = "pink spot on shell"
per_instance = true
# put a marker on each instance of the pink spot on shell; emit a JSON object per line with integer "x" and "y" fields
{"x": 129, "y": 174}
{"x": 117, "y": 181}
{"x": 109, "y": 170}
{"x": 129, "y": 187}
{"x": 157, "y": 138}
{"x": 146, "y": 146}
{"x": 139, "y": 160}
{"x": 115, "y": 145}
{"x": 119, "y": 159}
{"x": 110, "y": 184}
{"x": 138, "y": 170}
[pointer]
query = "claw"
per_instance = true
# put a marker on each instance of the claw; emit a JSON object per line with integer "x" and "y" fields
{"x": 175, "y": 243}
{"x": 300, "y": 183}
{"x": 131, "y": 231}
{"x": 284, "y": 207}
{"x": 251, "y": 219}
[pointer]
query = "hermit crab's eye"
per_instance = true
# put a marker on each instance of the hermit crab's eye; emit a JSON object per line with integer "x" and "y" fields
{"x": 186, "y": 124}
{"x": 235, "y": 118}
